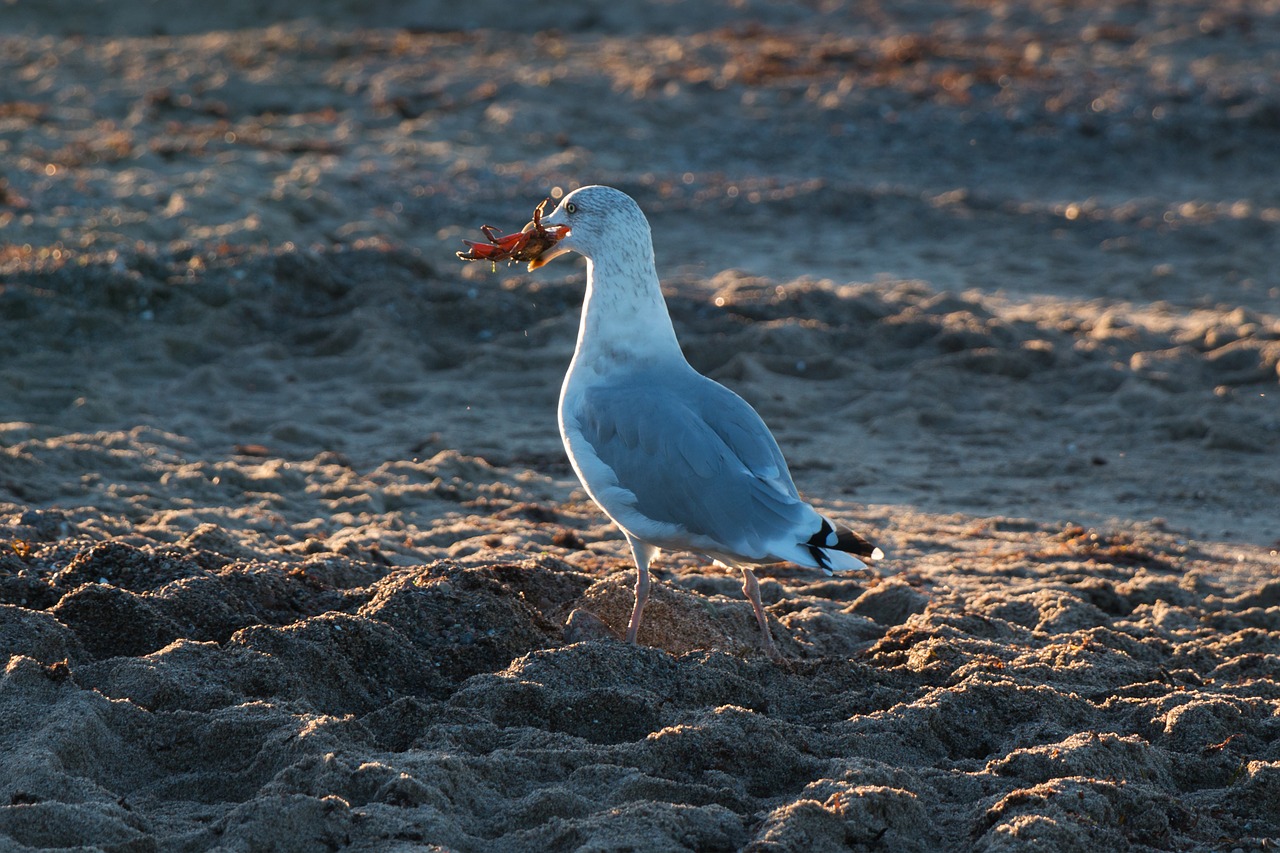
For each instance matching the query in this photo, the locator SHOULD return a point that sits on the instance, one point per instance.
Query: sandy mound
(1060, 685)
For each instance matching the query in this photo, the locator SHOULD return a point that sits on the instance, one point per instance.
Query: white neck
(624, 317)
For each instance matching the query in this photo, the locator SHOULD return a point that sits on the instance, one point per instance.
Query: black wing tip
(847, 540)
(840, 538)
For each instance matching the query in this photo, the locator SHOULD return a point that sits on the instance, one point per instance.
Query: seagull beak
(550, 253)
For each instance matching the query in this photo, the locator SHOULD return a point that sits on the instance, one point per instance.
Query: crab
(526, 245)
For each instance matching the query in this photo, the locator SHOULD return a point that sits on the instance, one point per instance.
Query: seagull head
(599, 221)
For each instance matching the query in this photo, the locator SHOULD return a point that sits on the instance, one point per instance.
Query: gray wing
(696, 455)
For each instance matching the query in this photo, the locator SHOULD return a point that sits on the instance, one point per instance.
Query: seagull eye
(570, 208)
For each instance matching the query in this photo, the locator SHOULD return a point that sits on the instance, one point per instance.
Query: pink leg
(642, 553)
(751, 588)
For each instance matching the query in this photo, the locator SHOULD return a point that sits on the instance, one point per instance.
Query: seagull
(678, 461)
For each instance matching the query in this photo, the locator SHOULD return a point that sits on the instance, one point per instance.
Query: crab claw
(535, 243)
(550, 236)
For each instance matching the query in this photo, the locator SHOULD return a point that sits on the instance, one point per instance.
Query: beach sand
(290, 554)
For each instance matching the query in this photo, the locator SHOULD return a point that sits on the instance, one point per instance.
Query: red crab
(527, 245)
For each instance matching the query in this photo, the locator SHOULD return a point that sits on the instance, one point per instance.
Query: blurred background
(985, 256)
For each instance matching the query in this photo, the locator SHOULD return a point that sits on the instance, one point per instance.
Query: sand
(291, 557)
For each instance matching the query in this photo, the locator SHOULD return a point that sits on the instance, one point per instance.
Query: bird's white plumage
(675, 459)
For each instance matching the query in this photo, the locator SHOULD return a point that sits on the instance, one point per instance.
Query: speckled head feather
(624, 317)
(605, 225)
